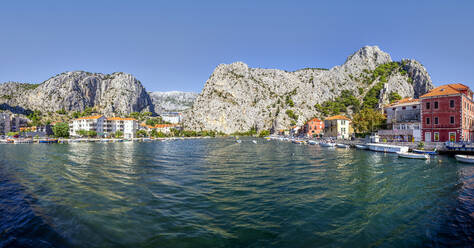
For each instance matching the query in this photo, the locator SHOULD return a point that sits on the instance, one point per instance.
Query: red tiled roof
(403, 101)
(90, 117)
(446, 90)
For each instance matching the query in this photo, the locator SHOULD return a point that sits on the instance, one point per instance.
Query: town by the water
(440, 121)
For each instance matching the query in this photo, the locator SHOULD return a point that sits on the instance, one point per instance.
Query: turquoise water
(217, 193)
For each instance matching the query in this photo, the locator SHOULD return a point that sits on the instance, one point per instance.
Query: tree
(61, 130)
(141, 133)
(118, 134)
(394, 96)
(368, 120)
(82, 133)
(264, 133)
(91, 133)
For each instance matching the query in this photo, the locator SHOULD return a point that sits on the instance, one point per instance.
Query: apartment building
(403, 120)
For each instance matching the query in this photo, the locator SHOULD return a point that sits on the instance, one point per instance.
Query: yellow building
(338, 126)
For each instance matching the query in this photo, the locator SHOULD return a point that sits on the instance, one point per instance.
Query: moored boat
(325, 144)
(413, 155)
(434, 152)
(339, 145)
(48, 141)
(362, 147)
(312, 142)
(386, 148)
(465, 158)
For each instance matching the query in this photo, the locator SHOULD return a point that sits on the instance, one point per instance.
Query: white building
(104, 126)
(89, 123)
(403, 119)
(128, 126)
(173, 118)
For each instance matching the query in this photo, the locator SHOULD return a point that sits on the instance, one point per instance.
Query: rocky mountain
(172, 101)
(237, 98)
(117, 93)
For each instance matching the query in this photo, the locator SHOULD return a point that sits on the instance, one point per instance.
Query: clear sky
(175, 45)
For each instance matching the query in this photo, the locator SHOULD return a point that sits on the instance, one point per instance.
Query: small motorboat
(238, 141)
(324, 144)
(48, 141)
(434, 152)
(312, 142)
(254, 141)
(362, 147)
(412, 155)
(339, 145)
(465, 158)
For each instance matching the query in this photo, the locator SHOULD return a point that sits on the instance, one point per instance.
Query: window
(436, 136)
(452, 119)
(436, 120)
(428, 120)
(393, 108)
(404, 108)
(436, 105)
(414, 107)
(451, 103)
(427, 105)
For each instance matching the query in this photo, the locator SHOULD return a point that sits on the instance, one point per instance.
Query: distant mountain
(117, 93)
(172, 101)
(237, 98)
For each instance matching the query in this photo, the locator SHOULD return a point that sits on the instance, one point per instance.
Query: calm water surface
(217, 193)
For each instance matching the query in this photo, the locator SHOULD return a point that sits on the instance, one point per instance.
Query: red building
(447, 114)
(313, 127)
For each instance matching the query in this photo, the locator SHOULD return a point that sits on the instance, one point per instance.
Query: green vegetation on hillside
(339, 104)
(394, 96)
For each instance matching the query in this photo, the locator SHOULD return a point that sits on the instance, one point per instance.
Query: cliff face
(172, 101)
(238, 98)
(117, 93)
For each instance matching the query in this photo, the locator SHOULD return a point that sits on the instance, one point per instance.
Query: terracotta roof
(90, 117)
(158, 125)
(314, 119)
(337, 117)
(446, 90)
(403, 101)
(120, 119)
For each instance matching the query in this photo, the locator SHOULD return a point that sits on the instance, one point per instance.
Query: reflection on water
(216, 192)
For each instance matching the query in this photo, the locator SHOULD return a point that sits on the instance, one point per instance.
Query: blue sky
(175, 45)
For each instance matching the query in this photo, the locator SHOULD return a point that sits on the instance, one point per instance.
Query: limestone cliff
(117, 93)
(237, 98)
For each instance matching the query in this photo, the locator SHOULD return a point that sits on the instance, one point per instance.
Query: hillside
(172, 101)
(118, 93)
(237, 98)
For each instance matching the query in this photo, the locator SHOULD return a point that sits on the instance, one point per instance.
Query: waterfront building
(4, 123)
(172, 117)
(403, 121)
(37, 131)
(337, 126)
(89, 123)
(447, 114)
(104, 126)
(128, 126)
(11, 123)
(313, 128)
(163, 128)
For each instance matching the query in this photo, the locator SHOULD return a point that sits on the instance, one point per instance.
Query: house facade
(11, 123)
(337, 126)
(313, 128)
(403, 120)
(173, 117)
(128, 126)
(447, 114)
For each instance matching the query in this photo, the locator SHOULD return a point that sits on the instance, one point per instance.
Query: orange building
(313, 127)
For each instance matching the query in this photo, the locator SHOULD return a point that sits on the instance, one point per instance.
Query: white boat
(362, 147)
(238, 141)
(323, 144)
(312, 142)
(465, 158)
(342, 145)
(254, 141)
(386, 148)
(413, 155)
